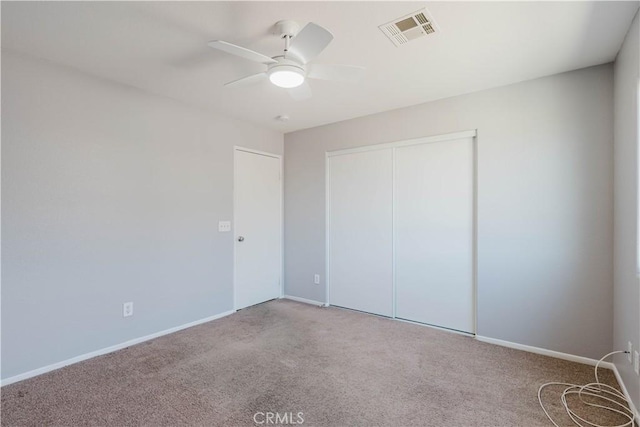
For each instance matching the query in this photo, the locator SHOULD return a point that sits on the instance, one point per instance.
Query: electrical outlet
(316, 279)
(224, 226)
(630, 350)
(127, 309)
(636, 362)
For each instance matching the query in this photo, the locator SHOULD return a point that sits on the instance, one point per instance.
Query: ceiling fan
(291, 69)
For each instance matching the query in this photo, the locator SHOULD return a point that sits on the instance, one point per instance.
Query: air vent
(410, 27)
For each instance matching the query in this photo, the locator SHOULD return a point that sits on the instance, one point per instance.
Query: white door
(360, 238)
(257, 216)
(434, 233)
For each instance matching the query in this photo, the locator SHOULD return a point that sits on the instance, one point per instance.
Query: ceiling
(161, 47)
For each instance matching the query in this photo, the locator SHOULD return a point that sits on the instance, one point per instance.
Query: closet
(400, 230)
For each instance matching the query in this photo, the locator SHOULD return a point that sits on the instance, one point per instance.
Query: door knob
(240, 239)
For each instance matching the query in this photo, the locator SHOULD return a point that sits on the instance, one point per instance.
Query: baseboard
(545, 352)
(305, 300)
(110, 349)
(566, 356)
(626, 393)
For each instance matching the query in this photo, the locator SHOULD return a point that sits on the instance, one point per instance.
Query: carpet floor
(335, 367)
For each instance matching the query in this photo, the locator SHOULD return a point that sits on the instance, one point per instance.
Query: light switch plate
(224, 226)
(636, 362)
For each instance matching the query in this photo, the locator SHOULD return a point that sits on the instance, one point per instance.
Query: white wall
(545, 220)
(626, 324)
(109, 195)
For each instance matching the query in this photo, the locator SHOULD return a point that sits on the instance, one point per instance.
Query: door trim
(237, 148)
(473, 133)
(405, 142)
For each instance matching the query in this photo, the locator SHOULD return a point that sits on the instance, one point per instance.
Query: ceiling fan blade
(339, 73)
(301, 92)
(309, 42)
(248, 80)
(240, 51)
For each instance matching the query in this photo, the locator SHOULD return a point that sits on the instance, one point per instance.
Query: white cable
(617, 402)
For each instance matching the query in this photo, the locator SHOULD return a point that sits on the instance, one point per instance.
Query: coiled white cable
(617, 402)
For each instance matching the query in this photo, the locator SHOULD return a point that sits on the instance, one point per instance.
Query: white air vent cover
(415, 25)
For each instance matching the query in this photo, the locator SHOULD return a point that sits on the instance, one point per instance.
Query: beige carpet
(336, 367)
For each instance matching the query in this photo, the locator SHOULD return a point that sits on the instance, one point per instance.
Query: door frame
(473, 133)
(236, 149)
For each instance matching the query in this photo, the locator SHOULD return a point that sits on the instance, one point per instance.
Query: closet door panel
(360, 238)
(434, 233)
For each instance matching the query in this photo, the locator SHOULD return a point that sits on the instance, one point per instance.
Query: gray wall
(109, 195)
(545, 219)
(626, 324)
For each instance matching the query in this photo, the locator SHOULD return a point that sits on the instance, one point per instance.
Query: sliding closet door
(360, 238)
(434, 233)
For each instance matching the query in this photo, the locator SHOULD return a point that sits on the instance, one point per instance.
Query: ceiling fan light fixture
(286, 76)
